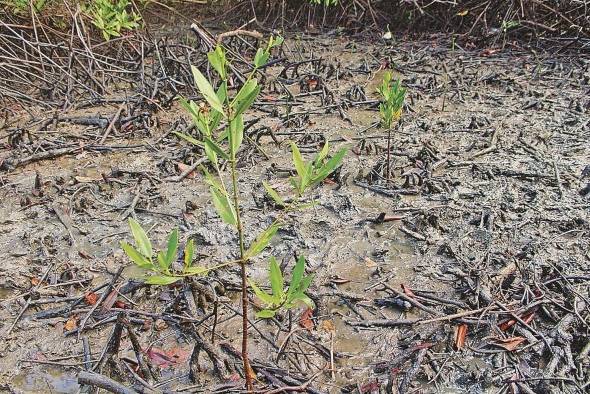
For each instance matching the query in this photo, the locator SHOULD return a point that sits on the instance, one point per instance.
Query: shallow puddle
(45, 380)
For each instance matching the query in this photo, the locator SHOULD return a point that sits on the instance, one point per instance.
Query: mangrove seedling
(281, 297)
(392, 102)
(220, 121)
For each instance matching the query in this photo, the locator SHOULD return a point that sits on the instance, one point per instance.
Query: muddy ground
(468, 272)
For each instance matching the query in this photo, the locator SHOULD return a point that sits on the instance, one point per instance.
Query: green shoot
(392, 100)
(160, 271)
(392, 103)
(111, 17)
(281, 297)
(311, 173)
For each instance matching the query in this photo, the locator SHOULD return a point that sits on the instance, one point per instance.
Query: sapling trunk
(245, 360)
(387, 168)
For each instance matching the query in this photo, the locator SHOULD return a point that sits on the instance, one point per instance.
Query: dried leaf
(509, 344)
(328, 325)
(109, 301)
(460, 336)
(370, 387)
(71, 324)
(305, 319)
(184, 167)
(338, 280)
(120, 305)
(167, 358)
(370, 263)
(407, 291)
(91, 298)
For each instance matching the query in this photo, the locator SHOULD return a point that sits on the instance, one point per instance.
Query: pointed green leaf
(162, 263)
(206, 90)
(273, 194)
(265, 314)
(296, 277)
(236, 133)
(298, 161)
(261, 58)
(322, 155)
(217, 116)
(276, 278)
(329, 167)
(245, 97)
(215, 148)
(143, 243)
(305, 181)
(139, 260)
(217, 60)
(189, 253)
(262, 241)
(210, 153)
(261, 294)
(172, 249)
(305, 283)
(305, 299)
(188, 138)
(161, 280)
(224, 206)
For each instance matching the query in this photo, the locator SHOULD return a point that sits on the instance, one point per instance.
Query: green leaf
(189, 253)
(265, 314)
(172, 249)
(261, 294)
(206, 90)
(296, 277)
(329, 167)
(322, 155)
(245, 97)
(262, 241)
(139, 260)
(161, 257)
(143, 243)
(209, 143)
(273, 194)
(305, 283)
(216, 116)
(236, 133)
(217, 60)
(305, 299)
(196, 270)
(276, 41)
(276, 278)
(161, 280)
(245, 91)
(210, 153)
(209, 179)
(224, 206)
(261, 58)
(199, 119)
(299, 163)
(188, 138)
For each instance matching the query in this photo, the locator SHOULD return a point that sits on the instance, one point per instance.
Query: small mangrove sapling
(221, 125)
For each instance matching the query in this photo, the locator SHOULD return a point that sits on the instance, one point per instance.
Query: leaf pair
(262, 55)
(312, 173)
(281, 297)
